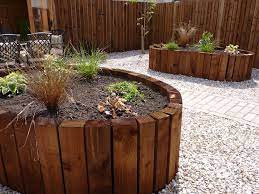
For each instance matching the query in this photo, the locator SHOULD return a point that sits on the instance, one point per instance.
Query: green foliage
(87, 65)
(207, 43)
(172, 46)
(232, 49)
(127, 90)
(14, 83)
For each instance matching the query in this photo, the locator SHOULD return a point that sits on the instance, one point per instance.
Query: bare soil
(84, 96)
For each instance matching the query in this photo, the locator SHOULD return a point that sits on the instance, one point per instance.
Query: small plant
(49, 85)
(14, 83)
(87, 65)
(185, 33)
(232, 49)
(127, 90)
(207, 43)
(172, 46)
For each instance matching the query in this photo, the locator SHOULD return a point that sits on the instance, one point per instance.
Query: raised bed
(214, 66)
(122, 156)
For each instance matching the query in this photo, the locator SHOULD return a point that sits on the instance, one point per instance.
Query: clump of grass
(14, 83)
(207, 43)
(49, 85)
(172, 46)
(185, 33)
(127, 90)
(87, 65)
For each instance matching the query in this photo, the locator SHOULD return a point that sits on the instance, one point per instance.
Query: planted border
(212, 66)
(130, 156)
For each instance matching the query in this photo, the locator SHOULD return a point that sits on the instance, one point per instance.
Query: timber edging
(131, 156)
(212, 66)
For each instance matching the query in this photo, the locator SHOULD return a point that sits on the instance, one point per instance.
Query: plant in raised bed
(232, 49)
(49, 85)
(185, 33)
(207, 43)
(12, 84)
(127, 90)
(87, 65)
(172, 46)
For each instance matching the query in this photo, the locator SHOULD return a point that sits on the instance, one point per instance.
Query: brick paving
(236, 109)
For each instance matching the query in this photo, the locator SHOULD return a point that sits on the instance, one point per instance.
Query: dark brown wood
(72, 145)
(147, 127)
(125, 156)
(99, 156)
(213, 66)
(49, 154)
(3, 178)
(161, 149)
(9, 152)
(28, 154)
(175, 113)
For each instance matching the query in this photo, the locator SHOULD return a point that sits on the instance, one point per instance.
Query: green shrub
(127, 90)
(207, 43)
(14, 83)
(172, 46)
(87, 65)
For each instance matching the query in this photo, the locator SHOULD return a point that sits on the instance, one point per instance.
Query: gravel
(6, 190)
(217, 155)
(135, 61)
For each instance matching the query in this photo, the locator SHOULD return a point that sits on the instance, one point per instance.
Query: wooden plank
(30, 16)
(222, 70)
(164, 61)
(9, 152)
(200, 64)
(173, 61)
(147, 129)
(27, 151)
(161, 150)
(175, 137)
(230, 69)
(193, 62)
(3, 177)
(206, 67)
(245, 68)
(49, 153)
(99, 156)
(235, 76)
(72, 145)
(125, 156)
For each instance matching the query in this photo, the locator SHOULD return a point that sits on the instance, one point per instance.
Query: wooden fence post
(220, 19)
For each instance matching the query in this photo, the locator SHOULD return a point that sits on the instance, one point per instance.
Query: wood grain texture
(161, 149)
(49, 154)
(147, 127)
(99, 156)
(72, 145)
(3, 177)
(125, 156)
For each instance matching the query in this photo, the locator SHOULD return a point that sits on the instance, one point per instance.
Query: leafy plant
(172, 46)
(14, 83)
(87, 65)
(207, 43)
(127, 90)
(49, 85)
(232, 49)
(185, 33)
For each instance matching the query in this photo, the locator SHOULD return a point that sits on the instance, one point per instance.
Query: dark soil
(84, 96)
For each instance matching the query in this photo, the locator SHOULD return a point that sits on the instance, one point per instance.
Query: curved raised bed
(214, 66)
(122, 156)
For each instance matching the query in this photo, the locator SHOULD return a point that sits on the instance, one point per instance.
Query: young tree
(144, 20)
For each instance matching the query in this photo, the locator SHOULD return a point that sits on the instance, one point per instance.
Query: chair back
(9, 47)
(39, 44)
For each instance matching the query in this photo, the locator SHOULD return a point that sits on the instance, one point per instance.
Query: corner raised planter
(214, 66)
(122, 156)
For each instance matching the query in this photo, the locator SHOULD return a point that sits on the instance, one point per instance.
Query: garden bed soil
(83, 99)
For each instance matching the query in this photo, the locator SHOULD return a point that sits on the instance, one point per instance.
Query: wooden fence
(108, 23)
